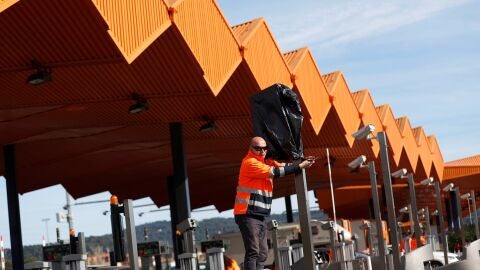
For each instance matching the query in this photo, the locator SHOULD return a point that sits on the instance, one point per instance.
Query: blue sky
(421, 57)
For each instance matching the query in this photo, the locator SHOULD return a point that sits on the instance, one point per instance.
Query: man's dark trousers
(254, 234)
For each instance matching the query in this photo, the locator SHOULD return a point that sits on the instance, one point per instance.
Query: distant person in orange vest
(254, 199)
(230, 264)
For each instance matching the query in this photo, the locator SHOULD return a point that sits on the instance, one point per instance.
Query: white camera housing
(427, 182)
(364, 132)
(465, 196)
(448, 187)
(357, 162)
(404, 209)
(399, 173)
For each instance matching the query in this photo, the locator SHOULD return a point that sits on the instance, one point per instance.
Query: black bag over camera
(277, 117)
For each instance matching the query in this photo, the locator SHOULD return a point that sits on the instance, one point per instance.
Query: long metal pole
(131, 234)
(442, 226)
(413, 205)
(427, 222)
(460, 215)
(304, 216)
(387, 181)
(376, 212)
(475, 214)
(69, 212)
(13, 207)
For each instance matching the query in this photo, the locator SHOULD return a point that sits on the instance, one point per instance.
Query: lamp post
(366, 133)
(46, 220)
(387, 181)
(413, 203)
(359, 162)
(440, 217)
(475, 214)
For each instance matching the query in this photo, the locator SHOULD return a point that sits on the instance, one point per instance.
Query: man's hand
(306, 163)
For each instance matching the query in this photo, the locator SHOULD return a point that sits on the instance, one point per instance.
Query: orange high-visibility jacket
(255, 186)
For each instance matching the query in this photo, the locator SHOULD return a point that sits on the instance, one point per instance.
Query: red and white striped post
(2, 254)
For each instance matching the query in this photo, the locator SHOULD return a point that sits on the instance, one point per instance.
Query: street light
(366, 132)
(46, 220)
(429, 182)
(402, 173)
(359, 162)
(466, 197)
(459, 222)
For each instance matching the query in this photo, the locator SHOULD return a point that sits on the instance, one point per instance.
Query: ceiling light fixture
(41, 76)
(140, 104)
(209, 124)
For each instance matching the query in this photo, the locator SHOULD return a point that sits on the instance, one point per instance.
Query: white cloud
(329, 26)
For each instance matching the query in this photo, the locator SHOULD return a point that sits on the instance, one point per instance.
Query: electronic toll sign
(55, 253)
(148, 249)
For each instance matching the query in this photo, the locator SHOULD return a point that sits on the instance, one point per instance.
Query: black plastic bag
(277, 117)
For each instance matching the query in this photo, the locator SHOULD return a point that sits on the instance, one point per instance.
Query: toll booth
(62, 256)
(153, 251)
(214, 250)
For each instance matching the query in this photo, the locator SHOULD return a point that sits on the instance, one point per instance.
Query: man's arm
(289, 168)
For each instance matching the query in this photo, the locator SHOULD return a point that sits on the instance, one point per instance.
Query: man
(254, 199)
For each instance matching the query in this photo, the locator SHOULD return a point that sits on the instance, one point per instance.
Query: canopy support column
(13, 207)
(288, 207)
(179, 194)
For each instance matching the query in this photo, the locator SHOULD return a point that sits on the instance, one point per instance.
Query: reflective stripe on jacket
(255, 186)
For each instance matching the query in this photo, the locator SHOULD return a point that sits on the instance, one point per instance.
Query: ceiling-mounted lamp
(140, 104)
(209, 124)
(41, 75)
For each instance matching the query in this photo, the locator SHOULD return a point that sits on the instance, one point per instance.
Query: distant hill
(160, 230)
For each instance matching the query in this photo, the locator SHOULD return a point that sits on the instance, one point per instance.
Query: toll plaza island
(153, 99)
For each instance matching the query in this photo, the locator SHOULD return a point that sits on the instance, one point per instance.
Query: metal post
(13, 207)
(441, 225)
(180, 171)
(413, 205)
(460, 215)
(46, 220)
(304, 217)
(377, 214)
(174, 219)
(288, 207)
(475, 214)
(273, 228)
(69, 212)
(428, 231)
(387, 181)
(131, 235)
(410, 219)
(179, 194)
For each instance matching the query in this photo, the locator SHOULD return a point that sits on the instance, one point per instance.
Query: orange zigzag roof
(188, 62)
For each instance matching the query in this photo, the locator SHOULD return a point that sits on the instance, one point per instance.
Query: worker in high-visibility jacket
(254, 198)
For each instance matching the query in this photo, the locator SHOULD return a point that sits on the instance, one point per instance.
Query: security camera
(448, 187)
(427, 182)
(465, 196)
(364, 132)
(357, 162)
(404, 209)
(421, 211)
(434, 213)
(399, 173)
(272, 225)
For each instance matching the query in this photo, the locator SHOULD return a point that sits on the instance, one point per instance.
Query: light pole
(475, 214)
(402, 173)
(366, 133)
(440, 217)
(46, 220)
(359, 162)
